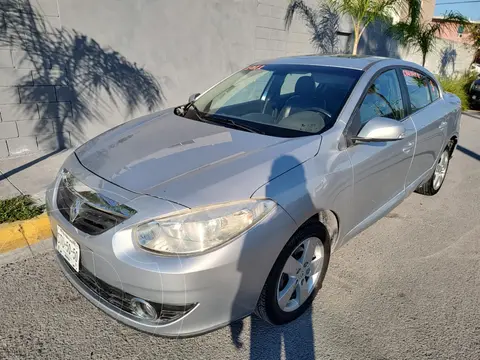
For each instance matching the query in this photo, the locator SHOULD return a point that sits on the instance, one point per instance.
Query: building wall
(451, 33)
(449, 57)
(72, 69)
(79, 68)
(428, 8)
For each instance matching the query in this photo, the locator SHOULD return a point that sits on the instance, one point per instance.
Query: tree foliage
(362, 13)
(422, 35)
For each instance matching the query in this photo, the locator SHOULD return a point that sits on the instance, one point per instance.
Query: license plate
(68, 248)
(474, 97)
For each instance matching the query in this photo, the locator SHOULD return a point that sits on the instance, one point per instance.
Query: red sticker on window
(254, 67)
(411, 73)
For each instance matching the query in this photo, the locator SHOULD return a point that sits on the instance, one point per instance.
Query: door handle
(408, 148)
(442, 125)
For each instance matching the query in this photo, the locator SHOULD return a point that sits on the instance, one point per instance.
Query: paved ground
(30, 174)
(407, 288)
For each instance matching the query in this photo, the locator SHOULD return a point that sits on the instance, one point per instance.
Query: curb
(24, 233)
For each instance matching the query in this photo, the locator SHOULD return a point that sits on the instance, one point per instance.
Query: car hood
(190, 162)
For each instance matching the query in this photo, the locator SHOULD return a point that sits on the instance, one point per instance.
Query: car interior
(300, 101)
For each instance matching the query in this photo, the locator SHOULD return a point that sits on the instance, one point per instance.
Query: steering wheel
(317, 109)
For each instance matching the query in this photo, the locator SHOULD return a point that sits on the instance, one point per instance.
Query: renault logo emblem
(75, 209)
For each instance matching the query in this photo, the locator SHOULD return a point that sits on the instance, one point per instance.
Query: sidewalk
(30, 174)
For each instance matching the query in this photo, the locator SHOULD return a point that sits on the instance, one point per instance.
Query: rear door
(428, 116)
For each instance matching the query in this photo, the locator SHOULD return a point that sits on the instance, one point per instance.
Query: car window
(249, 88)
(288, 86)
(251, 99)
(417, 86)
(384, 98)
(434, 92)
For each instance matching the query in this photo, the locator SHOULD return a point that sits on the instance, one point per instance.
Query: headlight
(197, 230)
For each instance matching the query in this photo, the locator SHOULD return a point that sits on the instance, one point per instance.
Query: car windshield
(278, 100)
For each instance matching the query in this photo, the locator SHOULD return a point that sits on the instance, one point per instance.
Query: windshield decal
(254, 67)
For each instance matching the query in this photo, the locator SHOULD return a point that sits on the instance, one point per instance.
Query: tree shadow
(448, 57)
(376, 40)
(323, 24)
(73, 79)
(296, 339)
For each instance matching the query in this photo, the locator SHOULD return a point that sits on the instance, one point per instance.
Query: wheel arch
(329, 220)
(452, 144)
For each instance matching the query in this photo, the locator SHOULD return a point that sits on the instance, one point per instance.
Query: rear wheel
(296, 276)
(433, 185)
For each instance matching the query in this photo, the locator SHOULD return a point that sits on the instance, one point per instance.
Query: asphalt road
(407, 288)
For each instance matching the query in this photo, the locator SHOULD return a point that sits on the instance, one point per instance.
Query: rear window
(434, 92)
(418, 91)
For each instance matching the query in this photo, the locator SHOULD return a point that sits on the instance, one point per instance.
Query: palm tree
(423, 35)
(362, 13)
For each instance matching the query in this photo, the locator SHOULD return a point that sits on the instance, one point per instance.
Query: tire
(268, 307)
(431, 187)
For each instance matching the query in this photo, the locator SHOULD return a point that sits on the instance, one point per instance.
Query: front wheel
(296, 276)
(433, 185)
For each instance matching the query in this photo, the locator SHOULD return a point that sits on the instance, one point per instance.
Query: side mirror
(380, 129)
(193, 97)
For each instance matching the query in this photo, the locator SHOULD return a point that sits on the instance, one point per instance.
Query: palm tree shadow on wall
(322, 22)
(448, 58)
(377, 40)
(78, 73)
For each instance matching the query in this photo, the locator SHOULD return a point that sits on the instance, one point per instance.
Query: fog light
(143, 309)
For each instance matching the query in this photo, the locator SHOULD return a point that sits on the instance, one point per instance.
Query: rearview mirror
(193, 97)
(380, 129)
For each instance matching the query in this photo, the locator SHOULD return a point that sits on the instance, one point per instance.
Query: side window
(384, 98)
(434, 92)
(288, 86)
(417, 86)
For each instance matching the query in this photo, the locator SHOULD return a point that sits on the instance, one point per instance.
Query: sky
(470, 9)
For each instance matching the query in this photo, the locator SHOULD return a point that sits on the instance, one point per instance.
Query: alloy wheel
(440, 170)
(300, 274)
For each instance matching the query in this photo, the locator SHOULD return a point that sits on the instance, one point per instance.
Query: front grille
(90, 220)
(122, 300)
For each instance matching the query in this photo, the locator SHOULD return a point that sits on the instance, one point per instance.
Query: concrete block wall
(187, 45)
(271, 39)
(21, 117)
(448, 58)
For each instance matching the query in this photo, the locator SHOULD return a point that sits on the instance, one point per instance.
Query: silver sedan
(182, 221)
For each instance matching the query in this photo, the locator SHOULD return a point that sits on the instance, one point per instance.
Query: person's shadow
(266, 340)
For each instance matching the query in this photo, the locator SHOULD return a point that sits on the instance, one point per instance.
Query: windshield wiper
(214, 119)
(225, 120)
(182, 109)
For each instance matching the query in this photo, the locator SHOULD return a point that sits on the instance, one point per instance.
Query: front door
(430, 122)
(380, 168)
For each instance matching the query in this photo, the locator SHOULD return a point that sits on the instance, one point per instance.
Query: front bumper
(221, 286)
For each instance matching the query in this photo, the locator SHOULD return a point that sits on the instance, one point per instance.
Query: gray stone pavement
(406, 288)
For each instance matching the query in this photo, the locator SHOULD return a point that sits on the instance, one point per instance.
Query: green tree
(362, 13)
(474, 35)
(421, 35)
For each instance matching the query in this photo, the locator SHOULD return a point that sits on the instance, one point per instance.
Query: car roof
(359, 62)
